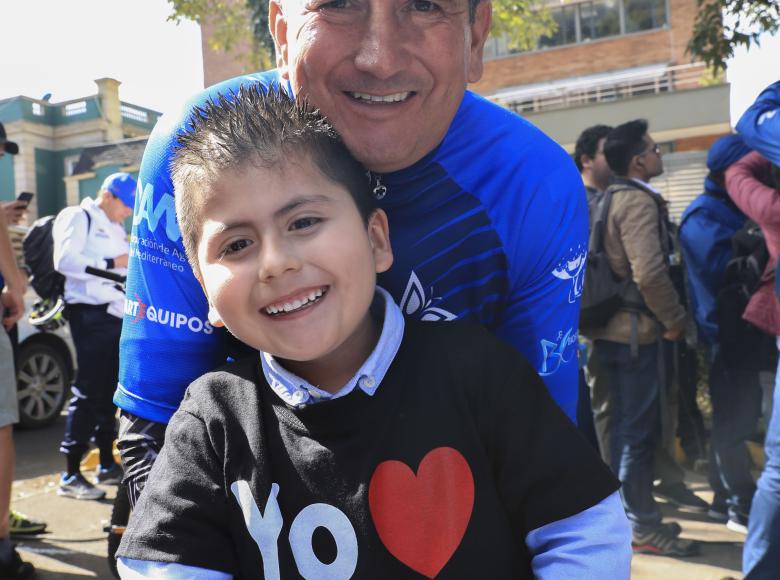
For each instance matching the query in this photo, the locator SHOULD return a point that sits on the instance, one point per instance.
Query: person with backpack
(753, 183)
(630, 346)
(92, 234)
(707, 229)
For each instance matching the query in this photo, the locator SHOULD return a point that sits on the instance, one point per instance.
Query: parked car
(45, 368)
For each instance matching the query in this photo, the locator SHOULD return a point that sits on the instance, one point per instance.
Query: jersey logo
(154, 213)
(415, 302)
(767, 116)
(557, 353)
(572, 267)
(422, 518)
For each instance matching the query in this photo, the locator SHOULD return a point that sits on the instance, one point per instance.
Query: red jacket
(761, 204)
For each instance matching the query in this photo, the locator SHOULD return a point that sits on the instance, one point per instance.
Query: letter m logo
(154, 213)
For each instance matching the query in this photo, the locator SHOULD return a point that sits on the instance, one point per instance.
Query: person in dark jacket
(706, 229)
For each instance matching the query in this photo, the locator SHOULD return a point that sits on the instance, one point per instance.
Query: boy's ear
(379, 238)
(277, 25)
(214, 318)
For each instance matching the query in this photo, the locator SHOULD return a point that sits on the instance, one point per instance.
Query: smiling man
(488, 215)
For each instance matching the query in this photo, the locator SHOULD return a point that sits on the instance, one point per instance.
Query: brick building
(609, 61)
(66, 149)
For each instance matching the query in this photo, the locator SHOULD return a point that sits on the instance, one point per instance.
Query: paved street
(75, 546)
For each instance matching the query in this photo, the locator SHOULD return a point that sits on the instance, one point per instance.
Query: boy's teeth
(295, 304)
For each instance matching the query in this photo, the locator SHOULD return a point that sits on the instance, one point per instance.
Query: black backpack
(602, 292)
(742, 343)
(38, 251)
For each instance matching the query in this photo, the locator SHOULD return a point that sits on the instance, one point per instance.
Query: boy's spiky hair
(261, 129)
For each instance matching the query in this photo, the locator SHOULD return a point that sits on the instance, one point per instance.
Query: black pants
(91, 410)
(140, 441)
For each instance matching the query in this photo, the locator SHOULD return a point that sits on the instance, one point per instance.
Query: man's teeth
(295, 304)
(394, 98)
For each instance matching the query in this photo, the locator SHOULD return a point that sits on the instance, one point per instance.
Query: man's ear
(277, 25)
(379, 238)
(479, 33)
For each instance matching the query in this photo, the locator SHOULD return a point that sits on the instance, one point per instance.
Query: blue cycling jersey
(491, 226)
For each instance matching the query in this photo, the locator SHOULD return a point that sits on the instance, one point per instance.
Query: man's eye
(333, 4)
(424, 5)
(304, 223)
(234, 247)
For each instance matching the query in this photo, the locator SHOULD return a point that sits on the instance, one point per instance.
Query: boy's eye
(304, 223)
(234, 247)
(333, 4)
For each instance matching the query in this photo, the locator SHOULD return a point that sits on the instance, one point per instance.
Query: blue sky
(61, 46)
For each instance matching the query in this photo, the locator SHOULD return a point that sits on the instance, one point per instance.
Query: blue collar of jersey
(297, 392)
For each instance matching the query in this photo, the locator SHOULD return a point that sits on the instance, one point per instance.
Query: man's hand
(674, 334)
(120, 261)
(13, 303)
(14, 211)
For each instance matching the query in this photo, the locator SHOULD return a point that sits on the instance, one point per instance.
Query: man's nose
(382, 47)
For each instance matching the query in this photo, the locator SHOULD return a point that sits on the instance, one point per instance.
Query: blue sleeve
(590, 545)
(760, 124)
(167, 341)
(130, 569)
(537, 203)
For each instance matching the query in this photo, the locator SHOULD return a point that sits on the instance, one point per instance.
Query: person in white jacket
(92, 234)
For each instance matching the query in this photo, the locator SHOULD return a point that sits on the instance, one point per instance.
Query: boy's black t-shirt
(441, 473)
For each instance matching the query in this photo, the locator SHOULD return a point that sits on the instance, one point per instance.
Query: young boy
(359, 444)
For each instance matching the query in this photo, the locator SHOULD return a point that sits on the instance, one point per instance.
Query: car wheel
(42, 383)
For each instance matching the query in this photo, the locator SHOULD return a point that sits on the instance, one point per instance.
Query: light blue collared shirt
(297, 392)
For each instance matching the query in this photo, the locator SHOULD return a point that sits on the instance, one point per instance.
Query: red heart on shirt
(422, 518)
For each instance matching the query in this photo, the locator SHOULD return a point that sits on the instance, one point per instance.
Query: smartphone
(25, 197)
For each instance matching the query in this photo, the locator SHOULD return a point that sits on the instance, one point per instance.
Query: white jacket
(75, 249)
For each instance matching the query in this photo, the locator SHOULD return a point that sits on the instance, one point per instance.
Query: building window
(37, 109)
(566, 33)
(592, 20)
(72, 109)
(135, 114)
(644, 14)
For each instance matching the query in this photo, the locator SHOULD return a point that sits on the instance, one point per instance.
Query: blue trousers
(635, 425)
(736, 407)
(761, 556)
(91, 410)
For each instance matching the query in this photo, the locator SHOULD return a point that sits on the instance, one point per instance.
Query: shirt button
(299, 397)
(367, 382)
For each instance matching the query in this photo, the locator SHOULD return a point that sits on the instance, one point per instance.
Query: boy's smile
(289, 266)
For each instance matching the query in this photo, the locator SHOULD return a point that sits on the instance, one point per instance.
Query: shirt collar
(297, 392)
(646, 185)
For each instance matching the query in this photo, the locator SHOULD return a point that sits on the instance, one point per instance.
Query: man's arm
(12, 296)
(69, 232)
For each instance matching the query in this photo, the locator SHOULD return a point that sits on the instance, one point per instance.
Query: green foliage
(237, 23)
(723, 25)
(522, 22)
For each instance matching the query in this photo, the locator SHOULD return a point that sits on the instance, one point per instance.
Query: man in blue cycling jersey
(488, 215)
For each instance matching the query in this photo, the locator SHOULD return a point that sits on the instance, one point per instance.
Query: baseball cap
(726, 151)
(10, 147)
(121, 185)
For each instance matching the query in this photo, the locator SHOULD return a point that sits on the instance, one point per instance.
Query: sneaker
(660, 543)
(682, 497)
(672, 529)
(77, 487)
(20, 524)
(16, 568)
(718, 512)
(111, 476)
(738, 522)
